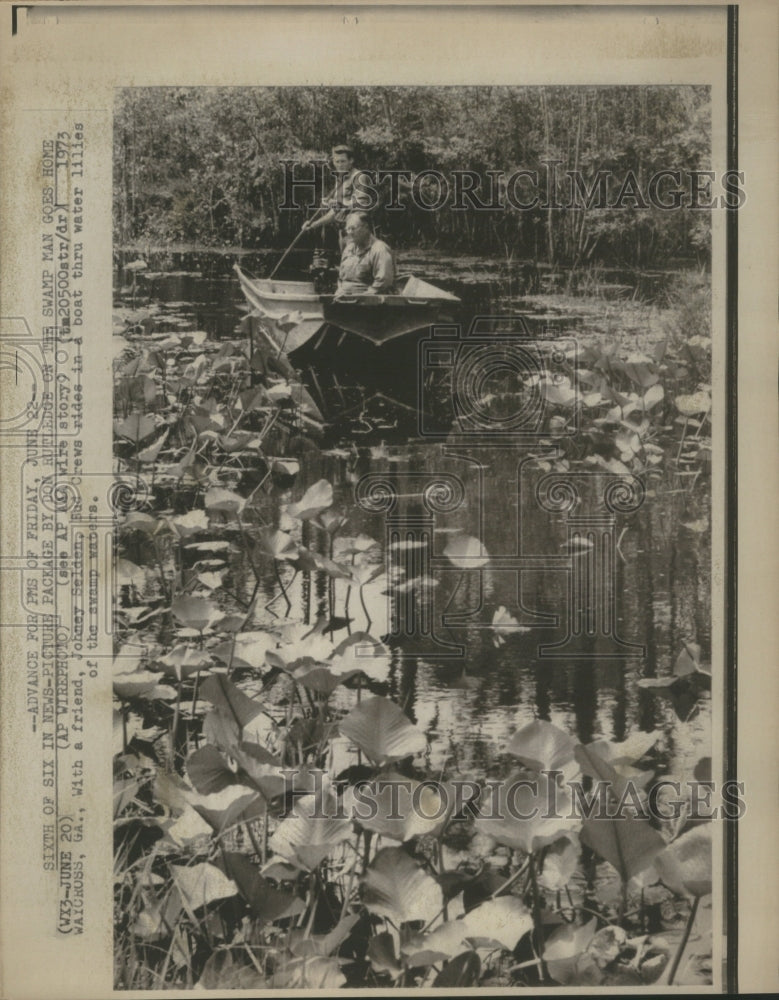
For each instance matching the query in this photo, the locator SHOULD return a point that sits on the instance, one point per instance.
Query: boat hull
(349, 350)
(297, 312)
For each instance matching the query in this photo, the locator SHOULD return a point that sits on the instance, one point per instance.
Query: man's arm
(323, 221)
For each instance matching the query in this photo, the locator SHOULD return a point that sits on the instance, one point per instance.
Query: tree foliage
(206, 165)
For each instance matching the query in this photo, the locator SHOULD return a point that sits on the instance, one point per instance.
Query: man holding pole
(346, 196)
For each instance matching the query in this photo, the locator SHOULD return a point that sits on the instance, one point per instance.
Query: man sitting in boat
(367, 267)
(346, 196)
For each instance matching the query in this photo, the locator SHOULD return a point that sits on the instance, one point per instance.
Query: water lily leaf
(302, 641)
(382, 731)
(527, 814)
(279, 391)
(397, 888)
(136, 520)
(636, 746)
(162, 692)
(209, 771)
(267, 902)
(381, 954)
(307, 561)
(139, 614)
(246, 651)
(563, 947)
(690, 406)
(276, 544)
(311, 831)
(201, 884)
(183, 661)
(212, 580)
(128, 659)
(261, 768)
(330, 521)
(189, 827)
(280, 871)
(190, 523)
(316, 499)
(399, 807)
(503, 920)
(560, 862)
(628, 843)
(688, 661)
(128, 573)
(225, 500)
(319, 677)
(135, 685)
(685, 864)
(504, 623)
(230, 700)
(360, 651)
(195, 612)
(363, 573)
(654, 395)
(466, 552)
(212, 546)
(323, 945)
(559, 393)
(136, 427)
(463, 970)
(234, 804)
(448, 939)
(238, 441)
(152, 452)
(221, 729)
(288, 467)
(542, 746)
(345, 546)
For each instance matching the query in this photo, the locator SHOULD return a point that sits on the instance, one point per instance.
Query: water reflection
(469, 705)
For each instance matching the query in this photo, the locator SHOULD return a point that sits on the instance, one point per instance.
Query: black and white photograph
(387, 460)
(413, 646)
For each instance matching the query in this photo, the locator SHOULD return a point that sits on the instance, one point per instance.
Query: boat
(376, 318)
(347, 348)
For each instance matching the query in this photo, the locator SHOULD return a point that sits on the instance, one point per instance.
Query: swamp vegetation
(253, 607)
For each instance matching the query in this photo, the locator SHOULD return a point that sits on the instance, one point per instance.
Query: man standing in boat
(367, 267)
(346, 196)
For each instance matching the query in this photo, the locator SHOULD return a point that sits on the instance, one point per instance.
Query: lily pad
(201, 884)
(395, 887)
(311, 832)
(542, 746)
(316, 499)
(466, 552)
(382, 731)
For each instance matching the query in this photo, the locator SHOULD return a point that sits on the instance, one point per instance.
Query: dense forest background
(204, 166)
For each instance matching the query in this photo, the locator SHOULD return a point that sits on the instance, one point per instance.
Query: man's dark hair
(344, 149)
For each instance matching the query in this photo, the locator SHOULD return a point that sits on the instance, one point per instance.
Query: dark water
(469, 705)
(656, 564)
